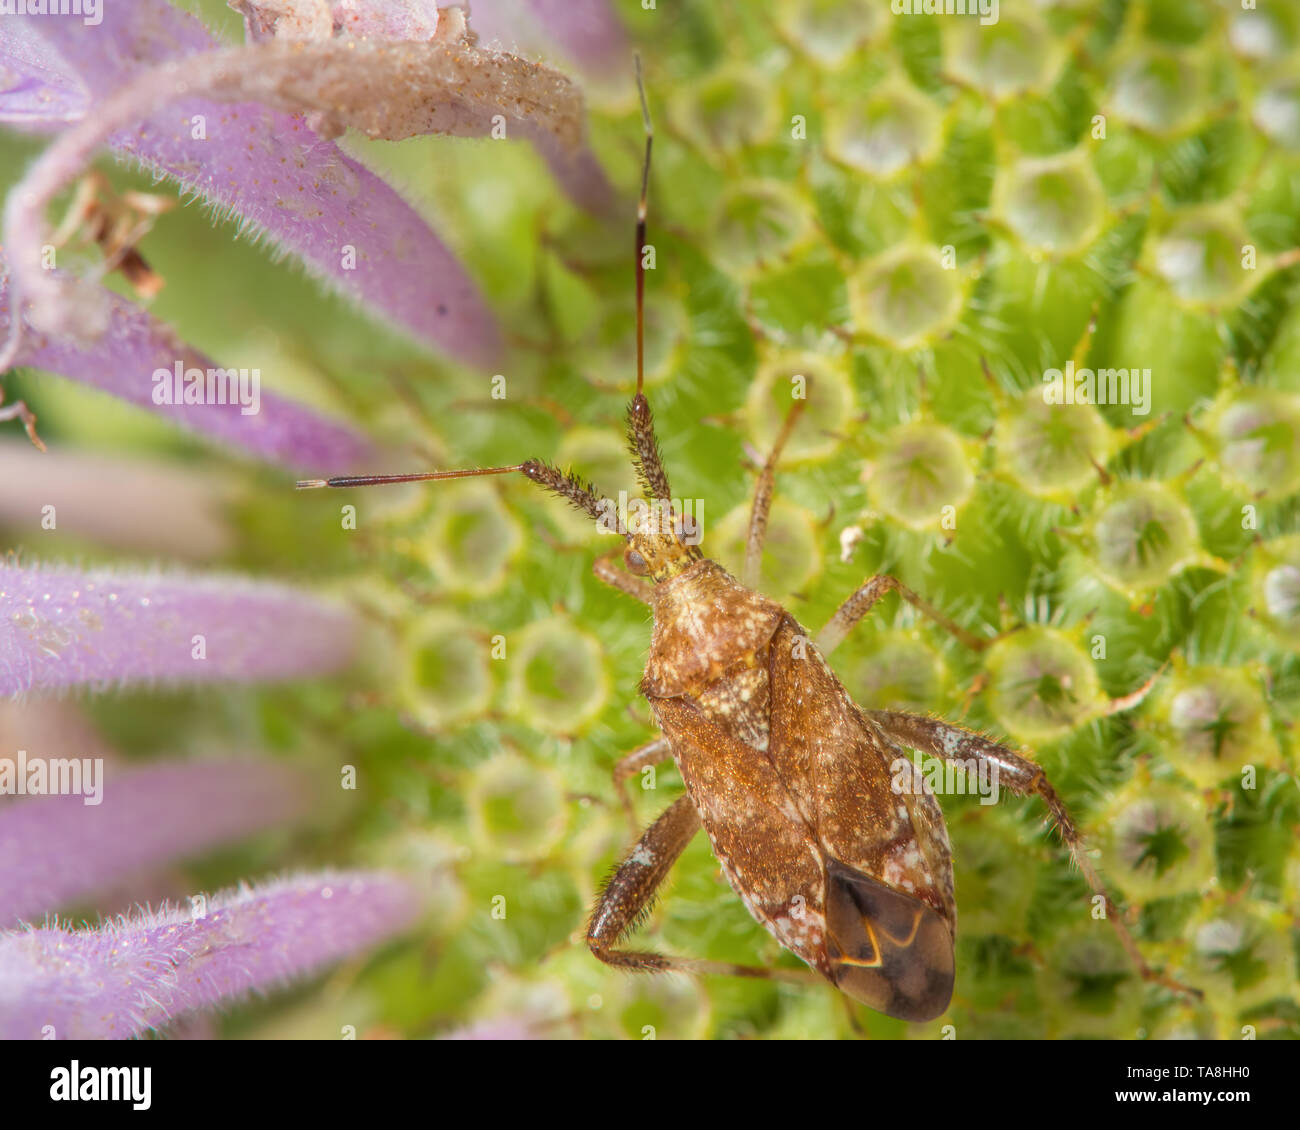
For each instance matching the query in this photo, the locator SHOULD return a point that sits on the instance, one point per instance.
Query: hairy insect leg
(626, 900)
(630, 764)
(954, 743)
(612, 575)
(19, 411)
(762, 506)
(862, 601)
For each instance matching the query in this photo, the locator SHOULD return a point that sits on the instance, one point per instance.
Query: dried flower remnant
(414, 20)
(115, 224)
(135, 974)
(63, 627)
(394, 78)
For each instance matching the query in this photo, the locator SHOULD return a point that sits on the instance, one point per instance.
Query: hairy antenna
(567, 485)
(640, 421)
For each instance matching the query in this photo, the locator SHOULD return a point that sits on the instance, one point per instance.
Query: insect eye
(635, 562)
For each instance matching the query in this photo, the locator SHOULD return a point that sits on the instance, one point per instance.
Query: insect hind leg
(954, 743)
(627, 898)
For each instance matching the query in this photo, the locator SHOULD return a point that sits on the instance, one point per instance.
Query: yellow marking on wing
(898, 943)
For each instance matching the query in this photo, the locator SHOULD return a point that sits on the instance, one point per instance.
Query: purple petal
(37, 89)
(586, 31)
(135, 345)
(177, 515)
(125, 978)
(60, 848)
(577, 172)
(63, 627)
(298, 189)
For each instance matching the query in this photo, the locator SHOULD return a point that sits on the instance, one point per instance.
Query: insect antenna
(640, 421)
(581, 495)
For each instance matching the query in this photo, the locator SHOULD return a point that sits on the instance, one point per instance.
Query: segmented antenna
(641, 232)
(640, 422)
(568, 486)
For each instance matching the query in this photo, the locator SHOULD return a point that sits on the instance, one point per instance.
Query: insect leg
(630, 764)
(627, 897)
(19, 411)
(762, 507)
(1019, 774)
(861, 602)
(612, 575)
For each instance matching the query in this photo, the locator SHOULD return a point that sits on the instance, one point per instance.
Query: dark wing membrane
(888, 950)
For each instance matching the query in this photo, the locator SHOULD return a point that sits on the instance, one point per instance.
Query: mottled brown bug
(789, 777)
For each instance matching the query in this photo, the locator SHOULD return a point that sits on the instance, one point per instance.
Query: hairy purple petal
(134, 345)
(63, 627)
(37, 89)
(285, 181)
(127, 977)
(60, 848)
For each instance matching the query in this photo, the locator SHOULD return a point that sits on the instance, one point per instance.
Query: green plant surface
(923, 216)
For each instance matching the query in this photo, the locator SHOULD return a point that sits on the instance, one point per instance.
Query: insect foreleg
(19, 411)
(630, 764)
(953, 743)
(612, 575)
(626, 900)
(861, 602)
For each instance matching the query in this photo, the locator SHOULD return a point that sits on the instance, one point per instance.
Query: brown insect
(790, 778)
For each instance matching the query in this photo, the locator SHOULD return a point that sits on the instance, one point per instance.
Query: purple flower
(249, 129)
(128, 976)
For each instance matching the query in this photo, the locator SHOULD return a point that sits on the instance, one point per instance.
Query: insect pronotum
(789, 777)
